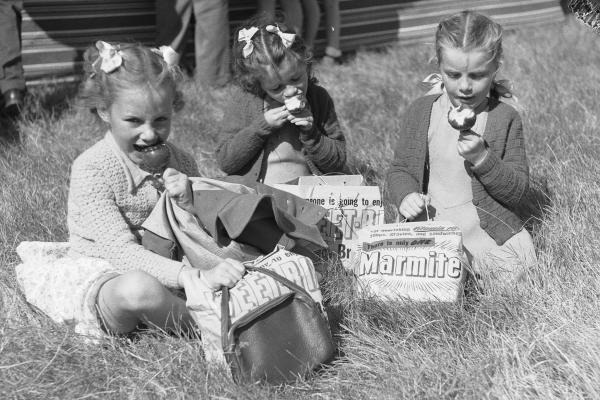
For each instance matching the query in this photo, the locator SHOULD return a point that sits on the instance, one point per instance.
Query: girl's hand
(413, 205)
(276, 117)
(227, 273)
(471, 147)
(179, 188)
(303, 119)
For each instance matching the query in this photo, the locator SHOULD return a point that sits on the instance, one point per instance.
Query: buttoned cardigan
(245, 131)
(105, 211)
(499, 182)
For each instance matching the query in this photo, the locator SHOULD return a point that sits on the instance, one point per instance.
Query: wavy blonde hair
(141, 67)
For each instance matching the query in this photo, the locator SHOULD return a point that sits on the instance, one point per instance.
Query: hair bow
(503, 88)
(245, 35)
(286, 38)
(433, 83)
(109, 57)
(168, 54)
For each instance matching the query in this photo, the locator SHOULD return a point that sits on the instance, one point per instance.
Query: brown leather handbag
(278, 341)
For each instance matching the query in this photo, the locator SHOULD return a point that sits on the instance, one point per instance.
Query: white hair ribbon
(109, 57)
(168, 54)
(286, 38)
(433, 83)
(245, 35)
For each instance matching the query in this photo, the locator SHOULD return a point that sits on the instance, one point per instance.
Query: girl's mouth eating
(144, 148)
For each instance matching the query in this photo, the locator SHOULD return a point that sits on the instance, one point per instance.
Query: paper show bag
(250, 293)
(350, 207)
(280, 340)
(420, 261)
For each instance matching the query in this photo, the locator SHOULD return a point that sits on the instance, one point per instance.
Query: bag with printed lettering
(279, 341)
(269, 326)
(350, 206)
(420, 261)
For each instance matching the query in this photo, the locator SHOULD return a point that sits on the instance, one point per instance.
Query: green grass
(537, 340)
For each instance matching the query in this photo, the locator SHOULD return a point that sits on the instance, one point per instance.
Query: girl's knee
(137, 291)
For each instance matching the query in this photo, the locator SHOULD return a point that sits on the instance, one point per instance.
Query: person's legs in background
(212, 42)
(332, 23)
(312, 17)
(12, 79)
(293, 14)
(172, 22)
(265, 6)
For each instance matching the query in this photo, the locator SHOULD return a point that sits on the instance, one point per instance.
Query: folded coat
(232, 220)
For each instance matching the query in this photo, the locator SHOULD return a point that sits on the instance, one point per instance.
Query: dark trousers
(211, 36)
(11, 71)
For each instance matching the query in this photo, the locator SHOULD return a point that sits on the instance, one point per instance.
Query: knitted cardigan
(105, 214)
(499, 182)
(245, 132)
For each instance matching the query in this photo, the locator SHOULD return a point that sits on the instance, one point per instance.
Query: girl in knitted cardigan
(111, 282)
(473, 176)
(279, 124)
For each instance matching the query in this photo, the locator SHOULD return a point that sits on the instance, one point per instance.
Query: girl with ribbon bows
(476, 177)
(280, 124)
(114, 187)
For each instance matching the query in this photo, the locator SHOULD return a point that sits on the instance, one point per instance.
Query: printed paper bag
(332, 180)
(350, 208)
(253, 290)
(421, 261)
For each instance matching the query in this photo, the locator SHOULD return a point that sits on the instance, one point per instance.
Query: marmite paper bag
(253, 290)
(349, 208)
(421, 261)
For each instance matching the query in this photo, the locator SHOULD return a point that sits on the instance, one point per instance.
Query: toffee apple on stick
(462, 118)
(294, 100)
(155, 158)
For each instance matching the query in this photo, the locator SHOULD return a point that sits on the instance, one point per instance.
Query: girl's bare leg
(137, 297)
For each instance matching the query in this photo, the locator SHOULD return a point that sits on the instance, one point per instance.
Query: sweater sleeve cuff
(486, 165)
(170, 274)
(261, 128)
(307, 137)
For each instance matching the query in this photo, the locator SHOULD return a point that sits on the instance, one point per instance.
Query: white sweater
(109, 199)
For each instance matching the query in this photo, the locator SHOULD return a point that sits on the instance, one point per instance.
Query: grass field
(540, 339)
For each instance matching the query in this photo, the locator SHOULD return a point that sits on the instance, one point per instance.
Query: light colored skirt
(506, 262)
(64, 288)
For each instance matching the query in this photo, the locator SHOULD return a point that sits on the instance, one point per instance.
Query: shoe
(13, 102)
(333, 52)
(332, 56)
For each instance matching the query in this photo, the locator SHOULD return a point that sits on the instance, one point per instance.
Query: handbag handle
(226, 318)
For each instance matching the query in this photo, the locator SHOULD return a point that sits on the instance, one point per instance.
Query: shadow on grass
(49, 101)
(9, 131)
(535, 204)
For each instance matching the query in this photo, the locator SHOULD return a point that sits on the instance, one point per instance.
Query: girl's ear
(103, 113)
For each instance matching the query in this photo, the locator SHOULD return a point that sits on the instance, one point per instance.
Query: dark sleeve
(504, 172)
(324, 144)
(403, 177)
(243, 133)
